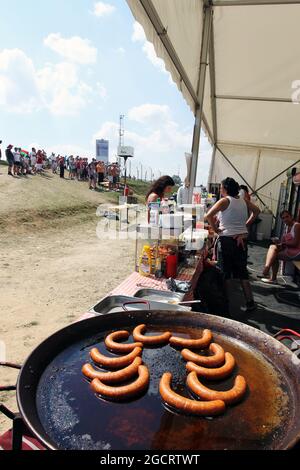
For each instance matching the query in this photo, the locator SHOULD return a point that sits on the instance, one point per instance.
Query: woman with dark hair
(288, 249)
(232, 212)
(159, 188)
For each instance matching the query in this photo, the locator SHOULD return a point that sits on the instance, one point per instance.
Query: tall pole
(207, 24)
(121, 135)
(141, 172)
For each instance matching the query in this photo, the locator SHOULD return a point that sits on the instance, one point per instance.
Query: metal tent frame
(208, 58)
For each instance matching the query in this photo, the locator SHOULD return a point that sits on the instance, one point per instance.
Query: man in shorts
(33, 160)
(100, 170)
(92, 173)
(10, 159)
(17, 159)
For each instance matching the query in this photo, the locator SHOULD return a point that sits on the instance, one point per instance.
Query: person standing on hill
(92, 173)
(62, 167)
(33, 160)
(39, 162)
(17, 160)
(10, 159)
(100, 170)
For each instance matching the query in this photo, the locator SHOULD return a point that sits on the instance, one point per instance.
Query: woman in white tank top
(232, 214)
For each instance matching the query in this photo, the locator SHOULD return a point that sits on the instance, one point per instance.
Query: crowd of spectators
(96, 173)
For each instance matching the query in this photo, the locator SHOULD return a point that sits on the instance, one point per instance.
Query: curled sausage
(214, 374)
(233, 395)
(124, 391)
(200, 343)
(216, 360)
(112, 377)
(114, 362)
(150, 340)
(112, 344)
(209, 408)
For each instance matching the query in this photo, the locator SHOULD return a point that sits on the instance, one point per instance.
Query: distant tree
(177, 179)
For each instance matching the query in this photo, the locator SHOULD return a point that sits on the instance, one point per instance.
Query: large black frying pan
(58, 405)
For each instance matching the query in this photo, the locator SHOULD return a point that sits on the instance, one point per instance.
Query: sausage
(214, 374)
(112, 345)
(150, 340)
(200, 343)
(124, 391)
(216, 360)
(112, 377)
(114, 362)
(233, 395)
(201, 408)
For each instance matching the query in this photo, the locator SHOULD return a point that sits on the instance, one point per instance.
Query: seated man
(288, 249)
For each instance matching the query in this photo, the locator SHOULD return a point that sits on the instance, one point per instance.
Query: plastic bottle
(158, 267)
(145, 266)
(165, 207)
(154, 214)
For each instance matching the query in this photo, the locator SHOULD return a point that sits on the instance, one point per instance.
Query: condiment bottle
(171, 265)
(145, 266)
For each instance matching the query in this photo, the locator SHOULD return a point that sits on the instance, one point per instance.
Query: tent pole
(212, 74)
(254, 98)
(206, 35)
(241, 176)
(234, 3)
(277, 176)
(257, 167)
(212, 165)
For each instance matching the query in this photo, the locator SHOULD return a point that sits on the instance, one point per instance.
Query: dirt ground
(49, 278)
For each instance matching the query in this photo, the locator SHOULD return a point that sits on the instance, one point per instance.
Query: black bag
(211, 291)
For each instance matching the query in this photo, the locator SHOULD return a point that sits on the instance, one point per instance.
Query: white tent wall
(257, 166)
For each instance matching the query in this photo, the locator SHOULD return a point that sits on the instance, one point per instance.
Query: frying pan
(59, 407)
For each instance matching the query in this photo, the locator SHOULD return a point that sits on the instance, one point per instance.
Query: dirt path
(48, 279)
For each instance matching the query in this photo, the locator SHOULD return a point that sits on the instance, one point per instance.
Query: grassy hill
(44, 201)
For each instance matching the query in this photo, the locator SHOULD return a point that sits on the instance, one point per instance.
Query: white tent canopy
(237, 64)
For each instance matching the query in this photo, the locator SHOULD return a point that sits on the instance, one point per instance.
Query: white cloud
(101, 90)
(103, 9)
(138, 35)
(64, 94)
(121, 50)
(19, 90)
(74, 49)
(57, 88)
(149, 112)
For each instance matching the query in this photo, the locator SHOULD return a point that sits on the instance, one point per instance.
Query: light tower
(121, 135)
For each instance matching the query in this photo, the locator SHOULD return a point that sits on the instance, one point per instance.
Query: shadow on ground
(271, 315)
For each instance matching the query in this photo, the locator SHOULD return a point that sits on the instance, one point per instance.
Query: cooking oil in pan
(76, 418)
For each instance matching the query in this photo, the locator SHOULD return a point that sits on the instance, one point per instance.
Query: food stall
(63, 403)
(55, 401)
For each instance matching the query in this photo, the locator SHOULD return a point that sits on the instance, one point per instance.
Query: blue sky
(68, 68)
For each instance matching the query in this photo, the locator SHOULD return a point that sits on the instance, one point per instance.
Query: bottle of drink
(154, 213)
(158, 267)
(171, 265)
(165, 207)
